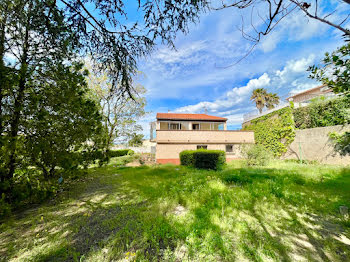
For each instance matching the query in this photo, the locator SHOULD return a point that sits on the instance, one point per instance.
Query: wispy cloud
(197, 75)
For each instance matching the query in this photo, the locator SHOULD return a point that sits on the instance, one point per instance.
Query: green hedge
(274, 131)
(120, 152)
(186, 158)
(323, 113)
(204, 159)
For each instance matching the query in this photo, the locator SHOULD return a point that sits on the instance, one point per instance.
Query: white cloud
(230, 99)
(196, 75)
(293, 74)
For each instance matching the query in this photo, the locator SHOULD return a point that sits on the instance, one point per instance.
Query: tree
(334, 71)
(271, 13)
(272, 100)
(136, 139)
(35, 37)
(104, 30)
(259, 97)
(63, 125)
(119, 116)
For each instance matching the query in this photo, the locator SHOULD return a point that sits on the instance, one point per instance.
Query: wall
(147, 147)
(169, 153)
(314, 144)
(201, 136)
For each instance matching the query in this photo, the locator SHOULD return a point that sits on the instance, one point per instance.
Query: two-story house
(178, 132)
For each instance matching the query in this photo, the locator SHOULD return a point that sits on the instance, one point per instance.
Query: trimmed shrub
(203, 159)
(256, 155)
(120, 152)
(186, 158)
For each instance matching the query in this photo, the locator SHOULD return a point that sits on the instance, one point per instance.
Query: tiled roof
(174, 116)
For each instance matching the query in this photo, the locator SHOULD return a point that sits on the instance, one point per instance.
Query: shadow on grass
(283, 215)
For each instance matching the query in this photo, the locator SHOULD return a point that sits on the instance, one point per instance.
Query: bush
(256, 155)
(341, 142)
(186, 158)
(120, 152)
(322, 113)
(204, 159)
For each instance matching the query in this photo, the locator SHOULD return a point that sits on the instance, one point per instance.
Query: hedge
(203, 159)
(323, 113)
(120, 152)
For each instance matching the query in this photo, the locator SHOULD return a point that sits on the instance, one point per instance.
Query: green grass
(284, 212)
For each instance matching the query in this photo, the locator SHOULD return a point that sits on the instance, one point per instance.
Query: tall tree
(119, 116)
(259, 97)
(63, 125)
(36, 38)
(272, 100)
(106, 32)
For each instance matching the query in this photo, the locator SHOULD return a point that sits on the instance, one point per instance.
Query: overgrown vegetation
(320, 113)
(275, 131)
(334, 72)
(282, 212)
(256, 155)
(341, 142)
(204, 159)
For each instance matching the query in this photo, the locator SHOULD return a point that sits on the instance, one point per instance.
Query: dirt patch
(180, 210)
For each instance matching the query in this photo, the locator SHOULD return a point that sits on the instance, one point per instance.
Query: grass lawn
(284, 212)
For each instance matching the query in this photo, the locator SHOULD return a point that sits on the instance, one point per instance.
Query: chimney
(168, 111)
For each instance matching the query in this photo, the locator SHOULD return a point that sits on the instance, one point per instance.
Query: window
(229, 148)
(202, 147)
(195, 126)
(176, 126)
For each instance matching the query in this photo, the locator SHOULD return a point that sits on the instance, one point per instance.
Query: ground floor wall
(314, 144)
(169, 153)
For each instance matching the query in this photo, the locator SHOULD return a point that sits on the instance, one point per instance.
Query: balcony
(204, 137)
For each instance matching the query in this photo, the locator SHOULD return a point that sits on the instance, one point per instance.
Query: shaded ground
(286, 212)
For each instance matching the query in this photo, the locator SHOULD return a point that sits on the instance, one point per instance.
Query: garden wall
(314, 144)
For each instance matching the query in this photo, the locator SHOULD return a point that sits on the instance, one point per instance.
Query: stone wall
(314, 144)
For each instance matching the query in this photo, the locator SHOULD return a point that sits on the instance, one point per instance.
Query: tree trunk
(18, 106)
(2, 71)
(2, 83)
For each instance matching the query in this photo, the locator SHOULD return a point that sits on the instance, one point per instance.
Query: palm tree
(259, 97)
(272, 100)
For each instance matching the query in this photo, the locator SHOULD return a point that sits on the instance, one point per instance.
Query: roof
(309, 90)
(201, 117)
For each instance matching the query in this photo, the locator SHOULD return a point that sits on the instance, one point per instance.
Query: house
(178, 132)
(307, 95)
(299, 99)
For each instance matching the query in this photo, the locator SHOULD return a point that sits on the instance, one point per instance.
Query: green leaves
(323, 113)
(274, 131)
(334, 70)
(262, 99)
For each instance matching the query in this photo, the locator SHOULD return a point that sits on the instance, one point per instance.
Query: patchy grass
(284, 212)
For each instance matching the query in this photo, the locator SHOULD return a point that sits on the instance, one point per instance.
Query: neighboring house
(178, 132)
(300, 99)
(307, 95)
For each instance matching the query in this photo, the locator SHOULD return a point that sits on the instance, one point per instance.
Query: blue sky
(195, 76)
